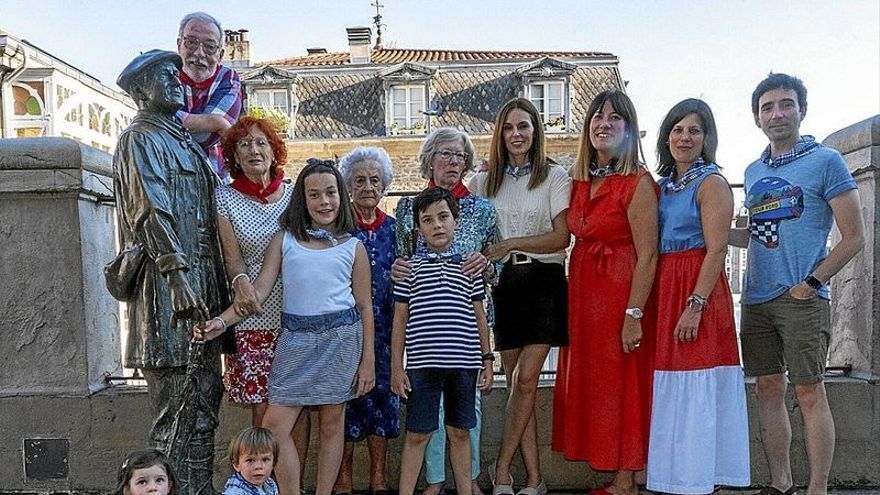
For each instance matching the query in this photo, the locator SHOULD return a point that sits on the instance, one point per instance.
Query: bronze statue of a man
(166, 208)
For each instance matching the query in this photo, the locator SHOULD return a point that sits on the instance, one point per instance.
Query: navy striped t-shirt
(442, 327)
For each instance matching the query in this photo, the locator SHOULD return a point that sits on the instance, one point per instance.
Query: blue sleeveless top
(680, 225)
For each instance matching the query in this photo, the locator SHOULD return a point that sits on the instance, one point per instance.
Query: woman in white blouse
(531, 198)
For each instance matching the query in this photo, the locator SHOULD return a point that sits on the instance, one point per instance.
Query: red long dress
(602, 400)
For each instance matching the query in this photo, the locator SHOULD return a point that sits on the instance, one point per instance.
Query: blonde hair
(627, 156)
(252, 440)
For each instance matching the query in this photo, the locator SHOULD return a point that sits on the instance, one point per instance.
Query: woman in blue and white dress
(375, 417)
(699, 429)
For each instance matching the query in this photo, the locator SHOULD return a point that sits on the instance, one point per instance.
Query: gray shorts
(786, 334)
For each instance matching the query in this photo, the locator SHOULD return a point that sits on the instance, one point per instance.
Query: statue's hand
(185, 304)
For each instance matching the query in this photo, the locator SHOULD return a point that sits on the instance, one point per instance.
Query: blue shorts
(423, 407)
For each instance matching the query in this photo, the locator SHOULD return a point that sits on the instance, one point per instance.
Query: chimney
(237, 49)
(316, 51)
(359, 41)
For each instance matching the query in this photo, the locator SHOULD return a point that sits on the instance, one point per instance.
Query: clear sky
(668, 50)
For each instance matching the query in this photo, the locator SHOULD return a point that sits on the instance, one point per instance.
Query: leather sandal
(541, 489)
(500, 489)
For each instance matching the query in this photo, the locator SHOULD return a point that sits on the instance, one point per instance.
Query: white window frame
(543, 109)
(410, 118)
(272, 94)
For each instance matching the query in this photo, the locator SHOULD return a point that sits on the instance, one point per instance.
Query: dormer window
(407, 102)
(549, 99)
(407, 92)
(547, 84)
(276, 99)
(274, 89)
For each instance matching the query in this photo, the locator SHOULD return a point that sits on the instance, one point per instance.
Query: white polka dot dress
(255, 224)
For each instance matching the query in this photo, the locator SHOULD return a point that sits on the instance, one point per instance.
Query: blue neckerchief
(323, 234)
(805, 145)
(693, 172)
(443, 258)
(237, 485)
(597, 171)
(516, 173)
(448, 256)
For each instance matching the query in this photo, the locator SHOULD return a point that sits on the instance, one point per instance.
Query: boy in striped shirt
(440, 319)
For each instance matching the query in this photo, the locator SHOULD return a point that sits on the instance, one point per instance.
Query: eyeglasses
(447, 155)
(209, 47)
(245, 144)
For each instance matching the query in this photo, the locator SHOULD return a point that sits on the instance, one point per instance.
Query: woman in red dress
(602, 399)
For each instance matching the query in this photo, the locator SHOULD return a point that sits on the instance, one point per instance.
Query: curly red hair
(241, 129)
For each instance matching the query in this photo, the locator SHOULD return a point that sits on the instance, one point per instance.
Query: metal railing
(548, 371)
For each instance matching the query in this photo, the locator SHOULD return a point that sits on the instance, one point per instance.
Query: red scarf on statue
(371, 226)
(246, 186)
(458, 192)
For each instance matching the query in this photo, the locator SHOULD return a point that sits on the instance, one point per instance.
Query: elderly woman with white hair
(446, 156)
(375, 416)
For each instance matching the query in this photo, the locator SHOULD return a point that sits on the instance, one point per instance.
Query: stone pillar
(855, 305)
(59, 325)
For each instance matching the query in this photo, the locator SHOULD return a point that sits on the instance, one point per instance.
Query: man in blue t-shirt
(795, 191)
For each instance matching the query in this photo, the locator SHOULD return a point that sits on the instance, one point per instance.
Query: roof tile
(399, 55)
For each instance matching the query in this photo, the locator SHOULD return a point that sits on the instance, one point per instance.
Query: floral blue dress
(475, 231)
(378, 412)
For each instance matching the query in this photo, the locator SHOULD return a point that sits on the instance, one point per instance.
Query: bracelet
(245, 275)
(221, 320)
(490, 278)
(696, 303)
(489, 356)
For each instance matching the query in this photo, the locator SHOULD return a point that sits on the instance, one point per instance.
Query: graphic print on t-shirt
(770, 201)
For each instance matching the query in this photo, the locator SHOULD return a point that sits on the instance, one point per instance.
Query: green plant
(279, 120)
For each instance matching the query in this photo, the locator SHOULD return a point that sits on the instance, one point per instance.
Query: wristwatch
(813, 282)
(634, 313)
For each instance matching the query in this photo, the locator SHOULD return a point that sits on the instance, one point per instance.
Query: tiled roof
(338, 106)
(400, 55)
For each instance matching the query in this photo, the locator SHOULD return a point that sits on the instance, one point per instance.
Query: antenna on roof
(377, 21)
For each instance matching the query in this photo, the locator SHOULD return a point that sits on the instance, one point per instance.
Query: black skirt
(531, 305)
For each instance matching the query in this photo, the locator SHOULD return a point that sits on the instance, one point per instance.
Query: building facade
(41, 95)
(392, 97)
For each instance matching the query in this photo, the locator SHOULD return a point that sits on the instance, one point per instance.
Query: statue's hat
(144, 61)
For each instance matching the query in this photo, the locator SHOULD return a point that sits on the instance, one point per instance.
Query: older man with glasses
(212, 91)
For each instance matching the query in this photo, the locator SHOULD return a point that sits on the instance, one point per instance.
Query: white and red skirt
(699, 427)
